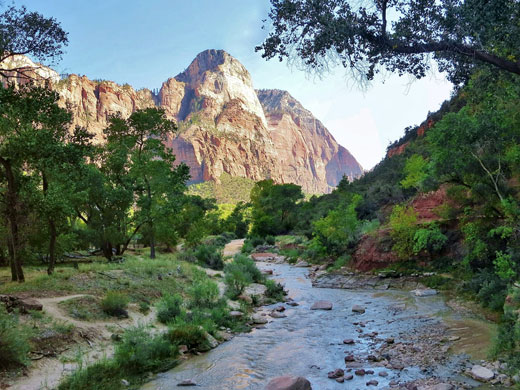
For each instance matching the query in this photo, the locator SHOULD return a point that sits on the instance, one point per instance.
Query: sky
(144, 42)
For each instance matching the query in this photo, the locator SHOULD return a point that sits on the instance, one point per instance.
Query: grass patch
(85, 308)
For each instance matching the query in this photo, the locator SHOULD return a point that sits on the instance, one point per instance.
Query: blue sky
(143, 43)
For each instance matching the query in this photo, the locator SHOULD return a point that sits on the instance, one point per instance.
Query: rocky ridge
(225, 125)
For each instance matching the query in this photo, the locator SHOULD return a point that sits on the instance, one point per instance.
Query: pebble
(372, 382)
(383, 374)
(348, 341)
(337, 373)
(349, 358)
(349, 377)
(360, 372)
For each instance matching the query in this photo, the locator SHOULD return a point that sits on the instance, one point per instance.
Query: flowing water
(309, 343)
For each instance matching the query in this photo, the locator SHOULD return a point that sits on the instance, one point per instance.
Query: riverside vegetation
(89, 212)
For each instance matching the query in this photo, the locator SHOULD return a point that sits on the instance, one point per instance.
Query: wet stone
(348, 341)
(372, 382)
(186, 383)
(322, 305)
(360, 372)
(358, 309)
(337, 373)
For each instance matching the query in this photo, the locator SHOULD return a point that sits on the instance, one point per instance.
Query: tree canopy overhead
(28, 33)
(401, 36)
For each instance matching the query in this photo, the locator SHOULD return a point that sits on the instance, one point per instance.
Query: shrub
(114, 304)
(236, 279)
(249, 267)
(141, 352)
(274, 290)
(270, 240)
(340, 262)
(247, 247)
(403, 227)
(210, 256)
(191, 335)
(168, 308)
(204, 293)
(429, 239)
(256, 241)
(102, 375)
(14, 341)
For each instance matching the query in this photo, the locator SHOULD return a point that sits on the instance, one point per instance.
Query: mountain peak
(210, 60)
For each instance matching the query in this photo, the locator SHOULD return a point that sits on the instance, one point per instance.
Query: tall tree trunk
(107, 250)
(12, 217)
(152, 242)
(10, 250)
(52, 230)
(52, 246)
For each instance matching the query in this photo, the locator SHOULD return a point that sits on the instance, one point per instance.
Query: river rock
(322, 305)
(348, 341)
(349, 377)
(302, 264)
(360, 372)
(210, 343)
(259, 319)
(482, 374)
(289, 383)
(276, 314)
(424, 292)
(372, 382)
(235, 314)
(350, 358)
(292, 303)
(338, 372)
(358, 309)
(187, 382)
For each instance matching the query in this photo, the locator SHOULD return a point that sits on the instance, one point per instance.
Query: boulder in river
(259, 319)
(322, 305)
(338, 372)
(482, 374)
(424, 292)
(186, 383)
(289, 383)
(358, 309)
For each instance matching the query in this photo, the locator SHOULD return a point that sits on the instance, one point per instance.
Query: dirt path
(233, 247)
(93, 342)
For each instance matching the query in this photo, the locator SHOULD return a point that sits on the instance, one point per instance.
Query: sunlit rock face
(308, 152)
(224, 124)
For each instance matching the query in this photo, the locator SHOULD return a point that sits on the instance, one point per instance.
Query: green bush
(256, 241)
(168, 308)
(270, 240)
(209, 256)
(429, 239)
(236, 279)
(274, 290)
(249, 267)
(14, 341)
(340, 262)
(102, 375)
(247, 247)
(189, 334)
(141, 352)
(114, 304)
(403, 225)
(204, 293)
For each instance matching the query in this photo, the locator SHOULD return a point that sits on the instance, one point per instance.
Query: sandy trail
(233, 247)
(46, 373)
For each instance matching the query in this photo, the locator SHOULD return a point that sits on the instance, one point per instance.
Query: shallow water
(309, 343)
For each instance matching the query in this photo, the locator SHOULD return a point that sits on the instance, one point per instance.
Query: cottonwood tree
(401, 36)
(35, 154)
(157, 182)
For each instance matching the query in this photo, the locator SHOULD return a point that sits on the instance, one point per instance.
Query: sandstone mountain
(225, 126)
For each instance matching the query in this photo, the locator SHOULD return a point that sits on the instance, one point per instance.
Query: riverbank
(67, 328)
(396, 338)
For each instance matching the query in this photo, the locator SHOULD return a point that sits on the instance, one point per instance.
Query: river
(310, 343)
